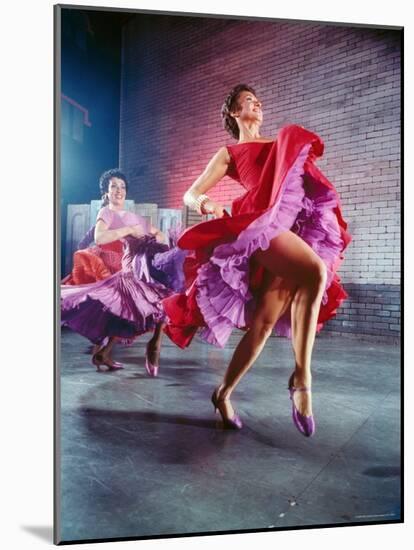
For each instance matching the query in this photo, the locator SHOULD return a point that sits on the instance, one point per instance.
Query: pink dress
(129, 302)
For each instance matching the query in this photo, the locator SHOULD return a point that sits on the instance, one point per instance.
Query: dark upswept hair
(231, 105)
(104, 182)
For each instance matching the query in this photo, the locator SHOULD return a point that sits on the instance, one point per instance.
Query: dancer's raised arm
(195, 198)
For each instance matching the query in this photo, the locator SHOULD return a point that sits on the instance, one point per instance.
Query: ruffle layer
(170, 264)
(119, 306)
(88, 267)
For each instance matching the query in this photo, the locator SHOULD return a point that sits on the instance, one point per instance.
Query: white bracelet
(195, 201)
(201, 209)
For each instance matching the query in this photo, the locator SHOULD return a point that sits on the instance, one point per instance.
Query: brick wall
(341, 82)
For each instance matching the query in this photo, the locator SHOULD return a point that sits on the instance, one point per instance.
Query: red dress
(284, 191)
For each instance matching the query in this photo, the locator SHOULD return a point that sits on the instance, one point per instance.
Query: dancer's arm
(103, 235)
(87, 239)
(215, 170)
(158, 234)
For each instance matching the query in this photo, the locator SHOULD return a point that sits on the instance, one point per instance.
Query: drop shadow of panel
(43, 532)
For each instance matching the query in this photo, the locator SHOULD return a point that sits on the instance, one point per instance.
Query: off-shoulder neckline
(271, 141)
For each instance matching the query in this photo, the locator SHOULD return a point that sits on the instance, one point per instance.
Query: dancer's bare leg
(290, 257)
(106, 351)
(103, 355)
(96, 348)
(154, 344)
(274, 299)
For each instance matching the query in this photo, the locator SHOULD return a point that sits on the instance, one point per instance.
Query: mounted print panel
(228, 329)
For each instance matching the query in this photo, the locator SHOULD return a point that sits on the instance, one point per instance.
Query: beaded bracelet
(202, 210)
(196, 202)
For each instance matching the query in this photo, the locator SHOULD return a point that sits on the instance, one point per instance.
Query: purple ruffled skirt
(126, 304)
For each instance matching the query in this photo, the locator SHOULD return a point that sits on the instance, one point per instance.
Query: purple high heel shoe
(305, 424)
(234, 423)
(151, 368)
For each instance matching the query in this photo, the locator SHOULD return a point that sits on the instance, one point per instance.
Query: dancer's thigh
(273, 298)
(289, 257)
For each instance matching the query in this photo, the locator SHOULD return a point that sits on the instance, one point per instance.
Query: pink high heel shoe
(151, 368)
(305, 424)
(234, 423)
(98, 360)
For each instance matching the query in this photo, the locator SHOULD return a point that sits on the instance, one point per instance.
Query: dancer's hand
(136, 231)
(159, 235)
(213, 208)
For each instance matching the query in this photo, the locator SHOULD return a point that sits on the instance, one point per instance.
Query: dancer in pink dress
(129, 302)
(272, 264)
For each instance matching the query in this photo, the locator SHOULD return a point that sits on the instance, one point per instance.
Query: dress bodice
(116, 219)
(131, 246)
(247, 161)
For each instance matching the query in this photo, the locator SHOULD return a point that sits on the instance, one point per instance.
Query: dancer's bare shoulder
(221, 157)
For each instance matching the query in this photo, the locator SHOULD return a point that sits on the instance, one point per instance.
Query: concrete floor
(143, 457)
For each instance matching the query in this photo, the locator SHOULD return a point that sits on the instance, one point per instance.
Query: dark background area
(91, 78)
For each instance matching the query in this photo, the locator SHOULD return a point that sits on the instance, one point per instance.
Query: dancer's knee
(316, 276)
(263, 326)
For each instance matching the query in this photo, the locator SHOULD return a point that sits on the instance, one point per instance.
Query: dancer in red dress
(272, 264)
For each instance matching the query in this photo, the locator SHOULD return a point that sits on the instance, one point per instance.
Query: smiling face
(249, 108)
(116, 192)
